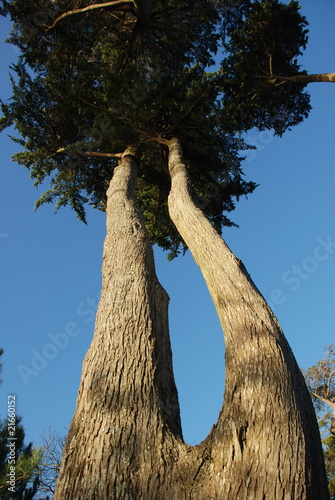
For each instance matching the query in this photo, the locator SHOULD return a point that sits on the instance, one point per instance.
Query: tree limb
(90, 7)
(318, 77)
(326, 401)
(102, 155)
(92, 153)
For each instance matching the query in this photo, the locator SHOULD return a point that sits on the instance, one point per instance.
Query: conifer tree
(119, 97)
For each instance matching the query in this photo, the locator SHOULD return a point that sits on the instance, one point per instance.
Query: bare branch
(52, 447)
(171, 129)
(114, 3)
(314, 78)
(102, 155)
(91, 153)
(326, 401)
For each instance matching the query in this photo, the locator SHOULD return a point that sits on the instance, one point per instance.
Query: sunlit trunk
(126, 425)
(266, 444)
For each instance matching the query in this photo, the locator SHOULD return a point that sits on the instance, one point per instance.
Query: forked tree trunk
(266, 444)
(125, 440)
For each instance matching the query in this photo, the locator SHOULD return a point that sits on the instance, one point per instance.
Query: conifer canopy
(96, 77)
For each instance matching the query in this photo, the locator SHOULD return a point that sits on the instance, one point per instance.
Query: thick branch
(114, 3)
(93, 153)
(318, 77)
(102, 155)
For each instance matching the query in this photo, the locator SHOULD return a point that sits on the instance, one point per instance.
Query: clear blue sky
(51, 265)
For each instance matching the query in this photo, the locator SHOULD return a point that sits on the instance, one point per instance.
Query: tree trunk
(319, 77)
(266, 444)
(125, 440)
(126, 428)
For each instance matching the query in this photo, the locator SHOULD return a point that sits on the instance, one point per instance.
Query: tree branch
(91, 153)
(172, 128)
(102, 155)
(90, 7)
(318, 77)
(326, 401)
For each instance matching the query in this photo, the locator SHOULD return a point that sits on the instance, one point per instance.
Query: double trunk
(125, 440)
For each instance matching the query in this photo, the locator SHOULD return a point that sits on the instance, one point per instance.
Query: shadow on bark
(125, 440)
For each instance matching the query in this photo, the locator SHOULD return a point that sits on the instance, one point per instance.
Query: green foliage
(265, 41)
(27, 460)
(329, 454)
(328, 444)
(137, 74)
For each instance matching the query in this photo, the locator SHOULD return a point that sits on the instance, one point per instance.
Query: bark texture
(266, 444)
(125, 440)
(126, 428)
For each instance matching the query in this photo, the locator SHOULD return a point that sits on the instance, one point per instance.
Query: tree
(320, 380)
(52, 446)
(125, 92)
(123, 104)
(27, 460)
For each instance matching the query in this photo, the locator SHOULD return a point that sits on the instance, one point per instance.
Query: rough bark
(125, 440)
(126, 428)
(266, 444)
(319, 77)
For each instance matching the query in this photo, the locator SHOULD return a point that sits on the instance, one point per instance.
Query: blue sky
(51, 265)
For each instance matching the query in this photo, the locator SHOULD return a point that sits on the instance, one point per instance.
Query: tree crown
(93, 78)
